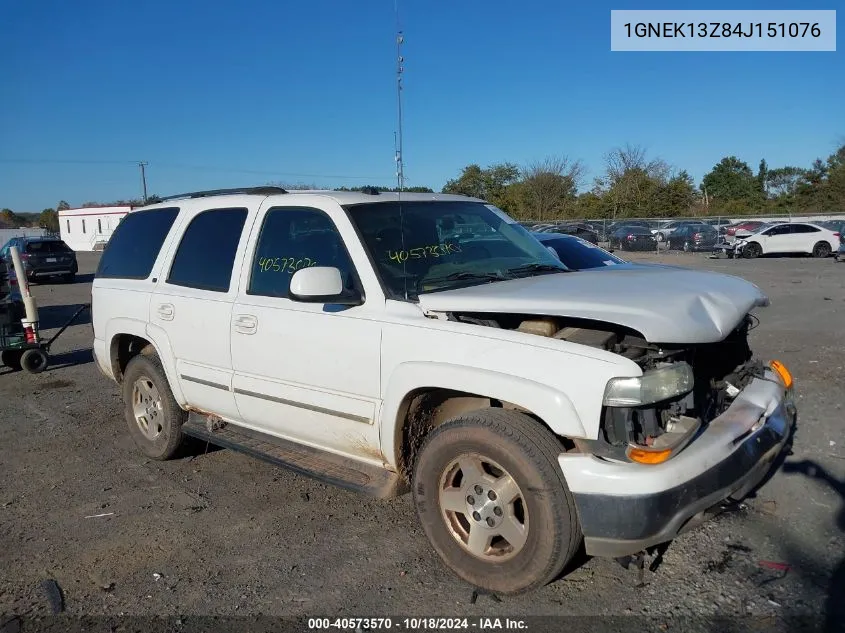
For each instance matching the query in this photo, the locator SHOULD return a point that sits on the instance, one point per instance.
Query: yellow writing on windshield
(421, 252)
(284, 264)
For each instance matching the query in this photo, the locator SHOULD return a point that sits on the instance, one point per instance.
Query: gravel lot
(219, 533)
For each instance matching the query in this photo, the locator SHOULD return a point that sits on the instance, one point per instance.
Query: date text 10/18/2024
(416, 624)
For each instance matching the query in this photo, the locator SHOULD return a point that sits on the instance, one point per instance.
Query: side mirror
(322, 284)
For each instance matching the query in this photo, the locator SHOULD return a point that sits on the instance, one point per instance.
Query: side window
(292, 238)
(99, 226)
(83, 225)
(68, 225)
(135, 244)
(804, 228)
(206, 254)
(781, 229)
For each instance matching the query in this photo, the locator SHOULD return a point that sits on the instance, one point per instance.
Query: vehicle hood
(666, 305)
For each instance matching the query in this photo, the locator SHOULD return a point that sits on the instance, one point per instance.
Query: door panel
(304, 371)
(192, 306)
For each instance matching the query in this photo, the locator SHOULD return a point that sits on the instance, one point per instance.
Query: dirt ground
(219, 533)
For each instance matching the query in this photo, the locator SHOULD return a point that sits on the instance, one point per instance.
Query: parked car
(665, 230)
(531, 411)
(576, 253)
(43, 257)
(837, 226)
(577, 229)
(632, 237)
(784, 238)
(750, 225)
(693, 237)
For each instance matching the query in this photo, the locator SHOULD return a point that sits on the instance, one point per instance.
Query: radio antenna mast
(400, 60)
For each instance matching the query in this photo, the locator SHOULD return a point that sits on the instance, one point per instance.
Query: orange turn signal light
(780, 369)
(642, 456)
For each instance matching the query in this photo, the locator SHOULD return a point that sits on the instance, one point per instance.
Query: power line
(258, 172)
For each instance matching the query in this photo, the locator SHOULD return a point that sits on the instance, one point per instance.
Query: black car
(632, 237)
(584, 231)
(576, 253)
(42, 257)
(693, 237)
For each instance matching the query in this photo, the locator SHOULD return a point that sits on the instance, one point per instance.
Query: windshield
(429, 246)
(579, 254)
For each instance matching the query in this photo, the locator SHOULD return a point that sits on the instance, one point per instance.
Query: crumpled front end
(627, 505)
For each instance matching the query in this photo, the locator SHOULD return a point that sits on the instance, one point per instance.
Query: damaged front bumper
(625, 508)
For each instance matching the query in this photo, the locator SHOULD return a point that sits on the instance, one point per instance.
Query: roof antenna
(400, 60)
(397, 140)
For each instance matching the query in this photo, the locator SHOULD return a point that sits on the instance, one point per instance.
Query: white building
(89, 229)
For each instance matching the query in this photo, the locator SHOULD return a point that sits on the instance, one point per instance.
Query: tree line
(631, 185)
(634, 185)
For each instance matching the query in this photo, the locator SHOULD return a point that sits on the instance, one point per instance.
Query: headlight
(653, 386)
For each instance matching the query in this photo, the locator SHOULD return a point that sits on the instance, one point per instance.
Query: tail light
(696, 236)
(24, 256)
(29, 332)
(630, 236)
(838, 235)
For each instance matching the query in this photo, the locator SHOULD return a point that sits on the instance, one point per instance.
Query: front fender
(551, 405)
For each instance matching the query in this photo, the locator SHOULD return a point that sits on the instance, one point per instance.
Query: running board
(305, 460)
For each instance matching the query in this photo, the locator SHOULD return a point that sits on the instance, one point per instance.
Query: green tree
(762, 178)
(551, 186)
(676, 196)
(633, 182)
(488, 184)
(49, 219)
(731, 179)
(11, 219)
(783, 181)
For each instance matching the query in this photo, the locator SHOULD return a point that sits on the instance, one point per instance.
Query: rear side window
(206, 254)
(135, 244)
(804, 228)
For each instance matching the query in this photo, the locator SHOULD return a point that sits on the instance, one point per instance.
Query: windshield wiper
(459, 276)
(538, 268)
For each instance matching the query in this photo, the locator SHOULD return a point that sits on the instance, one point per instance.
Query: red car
(744, 226)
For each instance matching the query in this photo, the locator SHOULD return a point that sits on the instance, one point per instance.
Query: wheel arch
(421, 396)
(131, 338)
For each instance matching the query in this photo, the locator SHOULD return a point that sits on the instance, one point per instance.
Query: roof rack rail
(265, 191)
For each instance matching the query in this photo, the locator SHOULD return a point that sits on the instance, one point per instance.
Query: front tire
(154, 417)
(493, 502)
(752, 250)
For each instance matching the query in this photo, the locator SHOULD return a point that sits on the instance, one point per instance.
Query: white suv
(381, 341)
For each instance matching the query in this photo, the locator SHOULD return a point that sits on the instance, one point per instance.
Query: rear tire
(752, 250)
(822, 250)
(493, 501)
(154, 417)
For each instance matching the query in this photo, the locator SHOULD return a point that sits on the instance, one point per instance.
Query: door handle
(246, 324)
(166, 311)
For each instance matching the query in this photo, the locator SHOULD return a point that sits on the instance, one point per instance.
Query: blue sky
(217, 94)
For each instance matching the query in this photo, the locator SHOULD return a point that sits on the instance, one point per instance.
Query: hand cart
(21, 347)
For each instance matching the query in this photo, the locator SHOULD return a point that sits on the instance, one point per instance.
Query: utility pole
(142, 164)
